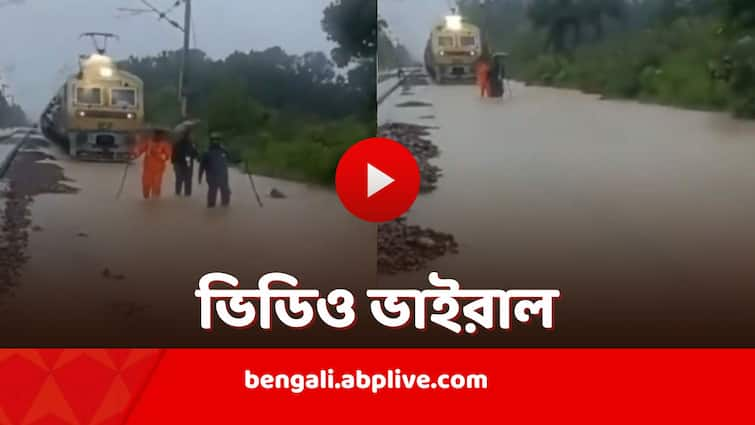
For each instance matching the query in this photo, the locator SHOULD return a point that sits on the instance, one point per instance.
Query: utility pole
(186, 30)
(183, 78)
(485, 26)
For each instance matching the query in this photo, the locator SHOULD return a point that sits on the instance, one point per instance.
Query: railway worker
(157, 150)
(184, 155)
(214, 164)
(483, 74)
(495, 84)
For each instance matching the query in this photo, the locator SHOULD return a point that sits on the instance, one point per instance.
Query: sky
(40, 38)
(410, 21)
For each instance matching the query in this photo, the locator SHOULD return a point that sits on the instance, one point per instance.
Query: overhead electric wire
(164, 15)
(174, 7)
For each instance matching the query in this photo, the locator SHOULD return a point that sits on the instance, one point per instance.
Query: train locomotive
(453, 50)
(97, 113)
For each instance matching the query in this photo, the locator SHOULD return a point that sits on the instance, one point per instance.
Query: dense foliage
(11, 115)
(692, 53)
(353, 25)
(282, 114)
(391, 54)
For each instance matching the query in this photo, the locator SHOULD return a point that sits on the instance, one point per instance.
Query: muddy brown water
(107, 271)
(642, 215)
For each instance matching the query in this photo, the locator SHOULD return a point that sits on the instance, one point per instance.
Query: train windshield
(123, 97)
(89, 95)
(445, 41)
(467, 41)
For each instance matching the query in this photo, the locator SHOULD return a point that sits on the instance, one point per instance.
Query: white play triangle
(376, 180)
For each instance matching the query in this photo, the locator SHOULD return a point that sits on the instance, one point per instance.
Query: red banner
(376, 386)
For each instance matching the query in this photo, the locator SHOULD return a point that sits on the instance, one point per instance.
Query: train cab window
(467, 41)
(445, 41)
(89, 95)
(123, 97)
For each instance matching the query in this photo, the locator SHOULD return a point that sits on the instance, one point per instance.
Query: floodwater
(643, 216)
(107, 271)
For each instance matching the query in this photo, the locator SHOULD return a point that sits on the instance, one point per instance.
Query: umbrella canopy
(184, 127)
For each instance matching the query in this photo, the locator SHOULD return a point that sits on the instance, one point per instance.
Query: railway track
(389, 87)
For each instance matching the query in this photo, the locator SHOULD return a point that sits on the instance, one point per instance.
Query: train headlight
(472, 53)
(442, 53)
(453, 22)
(130, 116)
(82, 114)
(106, 72)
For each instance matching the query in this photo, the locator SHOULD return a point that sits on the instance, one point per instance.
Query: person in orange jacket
(483, 75)
(157, 151)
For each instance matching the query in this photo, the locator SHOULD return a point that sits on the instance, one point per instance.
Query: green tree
(288, 115)
(669, 11)
(562, 18)
(740, 14)
(11, 115)
(353, 25)
(595, 12)
(390, 54)
(558, 18)
(276, 109)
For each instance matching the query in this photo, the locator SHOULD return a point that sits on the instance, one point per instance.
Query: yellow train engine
(97, 113)
(453, 51)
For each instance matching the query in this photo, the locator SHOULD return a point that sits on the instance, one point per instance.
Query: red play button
(377, 180)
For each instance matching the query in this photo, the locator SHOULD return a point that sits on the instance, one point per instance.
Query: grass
(305, 152)
(282, 144)
(669, 65)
